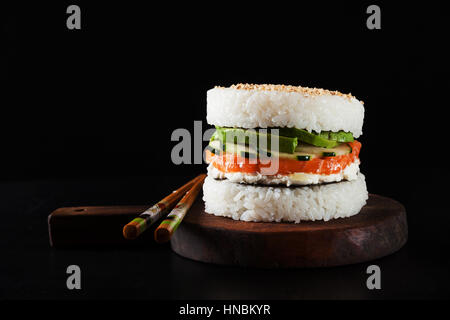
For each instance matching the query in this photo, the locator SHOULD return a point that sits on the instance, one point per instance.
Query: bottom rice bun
(290, 204)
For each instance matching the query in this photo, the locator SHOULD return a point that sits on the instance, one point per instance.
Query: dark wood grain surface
(92, 225)
(378, 230)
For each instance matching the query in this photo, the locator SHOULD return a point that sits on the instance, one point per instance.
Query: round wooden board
(378, 230)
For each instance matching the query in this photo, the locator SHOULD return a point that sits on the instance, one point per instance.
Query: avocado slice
(215, 136)
(340, 136)
(308, 137)
(242, 136)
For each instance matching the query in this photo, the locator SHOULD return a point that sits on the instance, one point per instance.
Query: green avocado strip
(288, 137)
(308, 137)
(340, 136)
(245, 137)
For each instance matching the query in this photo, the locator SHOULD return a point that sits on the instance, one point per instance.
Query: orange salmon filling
(231, 162)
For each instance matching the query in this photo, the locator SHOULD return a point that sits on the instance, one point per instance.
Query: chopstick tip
(162, 235)
(130, 232)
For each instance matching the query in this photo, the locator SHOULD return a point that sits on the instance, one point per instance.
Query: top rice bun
(264, 106)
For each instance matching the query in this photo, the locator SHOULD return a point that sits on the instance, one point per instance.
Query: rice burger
(283, 153)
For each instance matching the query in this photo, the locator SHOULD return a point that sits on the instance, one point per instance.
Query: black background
(87, 116)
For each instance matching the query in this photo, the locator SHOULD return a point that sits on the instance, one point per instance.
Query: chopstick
(166, 229)
(138, 225)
